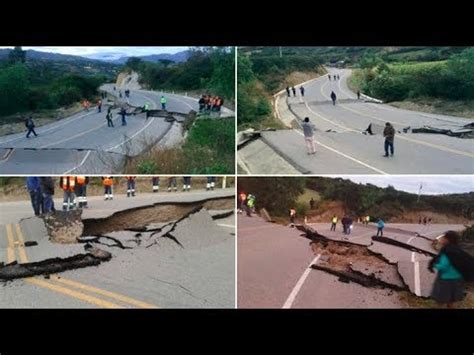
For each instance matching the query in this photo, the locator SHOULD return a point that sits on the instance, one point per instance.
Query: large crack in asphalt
(357, 263)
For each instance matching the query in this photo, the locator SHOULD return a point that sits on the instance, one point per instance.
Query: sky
(432, 184)
(118, 52)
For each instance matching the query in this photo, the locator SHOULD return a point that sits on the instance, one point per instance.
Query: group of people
(208, 104)
(425, 220)
(335, 77)
(246, 203)
(347, 224)
(41, 190)
(293, 90)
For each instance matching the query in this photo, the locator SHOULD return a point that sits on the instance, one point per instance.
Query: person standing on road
(47, 193)
(108, 182)
(123, 113)
(163, 102)
(81, 191)
(333, 223)
(302, 91)
(172, 184)
(186, 183)
(311, 203)
(155, 181)
(108, 116)
(211, 182)
(68, 184)
(288, 91)
(389, 134)
(333, 97)
(454, 266)
(250, 204)
(34, 189)
(292, 216)
(30, 125)
(358, 94)
(120, 93)
(380, 227)
(294, 91)
(130, 185)
(242, 200)
(146, 108)
(99, 106)
(329, 76)
(308, 130)
(202, 104)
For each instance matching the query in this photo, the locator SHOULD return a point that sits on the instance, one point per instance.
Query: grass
(208, 149)
(307, 195)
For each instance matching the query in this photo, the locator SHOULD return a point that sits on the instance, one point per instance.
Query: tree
(134, 63)
(17, 55)
(166, 62)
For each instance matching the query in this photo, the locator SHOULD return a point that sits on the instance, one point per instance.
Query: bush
(147, 167)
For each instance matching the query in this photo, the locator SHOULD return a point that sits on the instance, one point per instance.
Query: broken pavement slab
(417, 276)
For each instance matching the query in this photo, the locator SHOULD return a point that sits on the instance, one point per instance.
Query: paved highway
(343, 149)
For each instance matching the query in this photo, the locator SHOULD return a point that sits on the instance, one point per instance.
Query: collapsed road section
(169, 254)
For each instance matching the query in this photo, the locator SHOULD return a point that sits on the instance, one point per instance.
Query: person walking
(294, 91)
(186, 183)
(454, 267)
(329, 76)
(211, 183)
(292, 216)
(302, 91)
(358, 94)
(146, 108)
(389, 135)
(68, 184)
(30, 125)
(34, 189)
(288, 91)
(130, 185)
(163, 102)
(380, 227)
(99, 106)
(333, 97)
(47, 193)
(124, 114)
(333, 223)
(108, 116)
(308, 131)
(242, 200)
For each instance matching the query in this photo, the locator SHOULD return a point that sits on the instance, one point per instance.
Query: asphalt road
(83, 143)
(274, 267)
(343, 149)
(199, 275)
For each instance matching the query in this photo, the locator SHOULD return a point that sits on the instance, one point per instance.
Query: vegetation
(261, 73)
(276, 194)
(450, 79)
(29, 85)
(208, 69)
(208, 149)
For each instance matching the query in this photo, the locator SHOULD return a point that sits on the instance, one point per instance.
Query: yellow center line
(78, 285)
(11, 246)
(435, 146)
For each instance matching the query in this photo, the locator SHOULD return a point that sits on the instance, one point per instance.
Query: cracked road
(341, 146)
(199, 275)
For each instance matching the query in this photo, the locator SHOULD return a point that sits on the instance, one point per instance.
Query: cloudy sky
(115, 52)
(432, 184)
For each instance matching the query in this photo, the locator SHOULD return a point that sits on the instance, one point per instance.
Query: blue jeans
(388, 145)
(48, 203)
(163, 106)
(36, 201)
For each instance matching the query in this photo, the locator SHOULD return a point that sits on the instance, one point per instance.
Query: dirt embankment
(297, 77)
(325, 210)
(128, 80)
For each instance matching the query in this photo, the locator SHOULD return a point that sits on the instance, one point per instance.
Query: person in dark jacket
(33, 187)
(389, 134)
(288, 91)
(294, 91)
(302, 91)
(30, 125)
(47, 191)
(333, 96)
(449, 285)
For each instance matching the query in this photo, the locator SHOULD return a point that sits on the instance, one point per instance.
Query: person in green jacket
(163, 102)
(449, 285)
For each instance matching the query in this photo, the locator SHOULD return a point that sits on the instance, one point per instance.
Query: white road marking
(82, 163)
(133, 136)
(409, 240)
(299, 284)
(346, 156)
(226, 225)
(416, 266)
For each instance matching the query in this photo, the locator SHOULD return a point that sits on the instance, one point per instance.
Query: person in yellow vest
(68, 184)
(108, 182)
(81, 191)
(333, 223)
(292, 216)
(130, 185)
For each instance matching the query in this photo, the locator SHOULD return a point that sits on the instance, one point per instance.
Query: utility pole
(419, 192)
(281, 54)
(224, 180)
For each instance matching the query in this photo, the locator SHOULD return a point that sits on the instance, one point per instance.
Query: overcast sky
(432, 184)
(118, 51)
